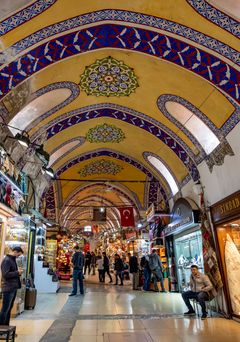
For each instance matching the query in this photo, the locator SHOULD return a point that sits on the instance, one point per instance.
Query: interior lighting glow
(165, 173)
(206, 138)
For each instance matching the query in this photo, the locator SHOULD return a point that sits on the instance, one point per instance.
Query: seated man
(200, 286)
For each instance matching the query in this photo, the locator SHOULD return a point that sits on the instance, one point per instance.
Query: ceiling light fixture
(48, 171)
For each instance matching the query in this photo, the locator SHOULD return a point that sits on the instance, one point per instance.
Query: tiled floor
(109, 313)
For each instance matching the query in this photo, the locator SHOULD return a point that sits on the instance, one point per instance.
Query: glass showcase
(188, 251)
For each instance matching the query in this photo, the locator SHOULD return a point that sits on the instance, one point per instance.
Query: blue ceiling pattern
(224, 76)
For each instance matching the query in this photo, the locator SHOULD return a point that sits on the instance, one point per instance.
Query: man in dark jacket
(88, 258)
(146, 272)
(78, 264)
(10, 283)
(133, 265)
(118, 267)
(106, 266)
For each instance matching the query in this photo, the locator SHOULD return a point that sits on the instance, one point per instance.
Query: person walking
(10, 283)
(93, 263)
(146, 272)
(87, 263)
(106, 266)
(119, 268)
(100, 266)
(78, 264)
(200, 287)
(134, 270)
(156, 268)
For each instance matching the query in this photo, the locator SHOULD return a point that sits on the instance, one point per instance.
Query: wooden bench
(7, 333)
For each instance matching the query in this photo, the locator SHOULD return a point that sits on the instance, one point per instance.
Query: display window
(228, 235)
(188, 251)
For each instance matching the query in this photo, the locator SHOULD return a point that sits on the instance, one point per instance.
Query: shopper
(87, 263)
(78, 264)
(10, 283)
(119, 268)
(100, 266)
(146, 272)
(134, 269)
(200, 287)
(93, 263)
(156, 268)
(106, 265)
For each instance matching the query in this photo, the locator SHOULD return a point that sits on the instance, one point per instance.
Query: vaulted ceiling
(118, 91)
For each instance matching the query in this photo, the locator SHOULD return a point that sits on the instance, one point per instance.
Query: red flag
(127, 217)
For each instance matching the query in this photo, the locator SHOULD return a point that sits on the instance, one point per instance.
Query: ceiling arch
(214, 70)
(183, 153)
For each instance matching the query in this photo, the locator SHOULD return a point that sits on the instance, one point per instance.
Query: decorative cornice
(216, 16)
(218, 155)
(219, 73)
(164, 25)
(132, 117)
(24, 15)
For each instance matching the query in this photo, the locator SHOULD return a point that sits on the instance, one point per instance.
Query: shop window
(207, 139)
(188, 251)
(37, 108)
(229, 245)
(158, 164)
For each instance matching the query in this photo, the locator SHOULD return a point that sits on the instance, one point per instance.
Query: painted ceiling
(129, 98)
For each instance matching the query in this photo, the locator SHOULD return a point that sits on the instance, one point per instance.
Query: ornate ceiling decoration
(102, 166)
(108, 77)
(105, 133)
(204, 64)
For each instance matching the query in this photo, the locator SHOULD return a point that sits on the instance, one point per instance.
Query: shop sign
(150, 213)
(183, 215)
(130, 235)
(226, 208)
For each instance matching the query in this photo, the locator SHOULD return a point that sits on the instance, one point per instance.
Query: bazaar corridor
(114, 314)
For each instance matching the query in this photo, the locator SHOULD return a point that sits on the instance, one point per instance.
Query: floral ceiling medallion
(105, 133)
(108, 77)
(100, 167)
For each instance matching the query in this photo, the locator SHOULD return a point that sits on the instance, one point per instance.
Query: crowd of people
(140, 270)
(201, 288)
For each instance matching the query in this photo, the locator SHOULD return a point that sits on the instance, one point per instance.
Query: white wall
(225, 179)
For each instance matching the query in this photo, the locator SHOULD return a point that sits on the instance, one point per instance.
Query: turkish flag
(127, 217)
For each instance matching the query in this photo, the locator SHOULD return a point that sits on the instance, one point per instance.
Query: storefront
(183, 243)
(226, 219)
(15, 229)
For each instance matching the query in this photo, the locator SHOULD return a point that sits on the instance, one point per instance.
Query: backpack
(153, 262)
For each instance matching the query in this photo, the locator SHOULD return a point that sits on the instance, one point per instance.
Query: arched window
(38, 107)
(161, 168)
(202, 133)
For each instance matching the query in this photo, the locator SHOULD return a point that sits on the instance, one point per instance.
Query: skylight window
(63, 150)
(38, 107)
(207, 139)
(165, 173)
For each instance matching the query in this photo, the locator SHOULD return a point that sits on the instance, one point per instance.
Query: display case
(50, 256)
(40, 246)
(17, 234)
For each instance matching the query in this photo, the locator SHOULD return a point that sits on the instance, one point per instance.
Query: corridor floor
(108, 313)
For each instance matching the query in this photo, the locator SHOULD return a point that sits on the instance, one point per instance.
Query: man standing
(156, 269)
(78, 264)
(106, 266)
(133, 265)
(200, 286)
(146, 272)
(118, 267)
(10, 283)
(88, 258)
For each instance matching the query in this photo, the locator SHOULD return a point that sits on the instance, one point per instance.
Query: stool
(7, 333)
(208, 307)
